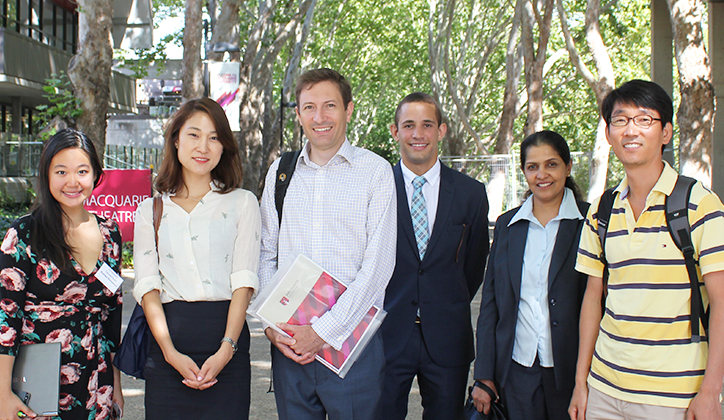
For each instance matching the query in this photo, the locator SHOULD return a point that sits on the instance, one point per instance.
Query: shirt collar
(431, 176)
(567, 210)
(212, 184)
(346, 152)
(664, 185)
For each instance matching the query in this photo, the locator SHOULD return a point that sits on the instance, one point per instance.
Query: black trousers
(530, 393)
(442, 388)
(196, 330)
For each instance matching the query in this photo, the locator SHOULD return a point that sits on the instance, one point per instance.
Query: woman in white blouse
(196, 288)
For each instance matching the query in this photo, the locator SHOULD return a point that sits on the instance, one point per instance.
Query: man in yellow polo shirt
(638, 360)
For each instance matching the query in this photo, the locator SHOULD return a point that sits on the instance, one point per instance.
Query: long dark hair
(47, 237)
(227, 174)
(558, 143)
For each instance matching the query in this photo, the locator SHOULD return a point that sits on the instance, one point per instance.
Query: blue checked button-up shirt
(343, 216)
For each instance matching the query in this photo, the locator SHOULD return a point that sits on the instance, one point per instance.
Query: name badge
(109, 278)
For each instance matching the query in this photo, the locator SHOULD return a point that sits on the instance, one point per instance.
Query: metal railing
(19, 157)
(128, 157)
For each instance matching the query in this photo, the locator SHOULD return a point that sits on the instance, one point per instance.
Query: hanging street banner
(117, 197)
(224, 89)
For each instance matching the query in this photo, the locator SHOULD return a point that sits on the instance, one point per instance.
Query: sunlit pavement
(263, 406)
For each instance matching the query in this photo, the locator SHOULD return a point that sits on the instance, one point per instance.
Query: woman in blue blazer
(527, 335)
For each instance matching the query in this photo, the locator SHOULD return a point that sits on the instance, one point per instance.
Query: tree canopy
(457, 50)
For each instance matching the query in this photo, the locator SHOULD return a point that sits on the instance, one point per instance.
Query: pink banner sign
(118, 195)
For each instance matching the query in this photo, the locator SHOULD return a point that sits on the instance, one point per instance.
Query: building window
(4, 124)
(52, 22)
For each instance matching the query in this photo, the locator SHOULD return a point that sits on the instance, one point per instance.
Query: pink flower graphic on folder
(300, 293)
(320, 299)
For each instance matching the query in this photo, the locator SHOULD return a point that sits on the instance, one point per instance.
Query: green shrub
(10, 212)
(128, 255)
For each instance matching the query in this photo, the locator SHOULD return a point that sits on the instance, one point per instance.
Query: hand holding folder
(300, 293)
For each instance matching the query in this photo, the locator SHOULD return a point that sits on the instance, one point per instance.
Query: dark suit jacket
(501, 295)
(444, 283)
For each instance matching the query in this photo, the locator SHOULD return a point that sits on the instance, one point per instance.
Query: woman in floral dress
(49, 290)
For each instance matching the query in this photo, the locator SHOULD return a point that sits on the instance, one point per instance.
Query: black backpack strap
(677, 220)
(603, 215)
(287, 164)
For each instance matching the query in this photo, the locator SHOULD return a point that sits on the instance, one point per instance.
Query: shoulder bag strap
(287, 164)
(603, 215)
(677, 221)
(157, 214)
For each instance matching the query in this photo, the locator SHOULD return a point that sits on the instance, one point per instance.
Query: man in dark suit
(442, 244)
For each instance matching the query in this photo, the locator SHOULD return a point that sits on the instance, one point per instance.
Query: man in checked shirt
(340, 211)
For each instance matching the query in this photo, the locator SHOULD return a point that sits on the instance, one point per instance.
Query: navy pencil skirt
(196, 330)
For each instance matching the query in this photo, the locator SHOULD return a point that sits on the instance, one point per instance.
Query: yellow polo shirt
(644, 353)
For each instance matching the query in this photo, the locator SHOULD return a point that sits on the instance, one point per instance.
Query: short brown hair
(418, 97)
(312, 77)
(227, 174)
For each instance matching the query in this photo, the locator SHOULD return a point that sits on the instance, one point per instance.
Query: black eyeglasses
(643, 121)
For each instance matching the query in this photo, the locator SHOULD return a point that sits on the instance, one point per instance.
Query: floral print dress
(39, 304)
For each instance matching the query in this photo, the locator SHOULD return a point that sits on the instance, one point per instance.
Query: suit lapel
(404, 220)
(564, 241)
(444, 204)
(518, 234)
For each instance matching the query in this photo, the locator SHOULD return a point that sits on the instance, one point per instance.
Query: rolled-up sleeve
(270, 228)
(369, 285)
(145, 257)
(247, 245)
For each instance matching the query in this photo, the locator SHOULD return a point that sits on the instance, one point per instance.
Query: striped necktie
(418, 211)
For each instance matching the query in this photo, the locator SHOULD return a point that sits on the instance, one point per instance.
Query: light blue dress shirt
(431, 189)
(533, 328)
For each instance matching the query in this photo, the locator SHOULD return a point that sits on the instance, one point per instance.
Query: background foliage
(385, 50)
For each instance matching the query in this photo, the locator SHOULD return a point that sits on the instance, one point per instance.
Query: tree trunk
(695, 116)
(90, 68)
(535, 59)
(505, 138)
(191, 67)
(271, 147)
(226, 29)
(601, 86)
(257, 97)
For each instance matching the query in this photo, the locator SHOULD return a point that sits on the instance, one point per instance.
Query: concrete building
(38, 39)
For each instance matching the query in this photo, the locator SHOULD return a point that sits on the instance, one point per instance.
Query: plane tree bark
(695, 116)
(90, 68)
(191, 66)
